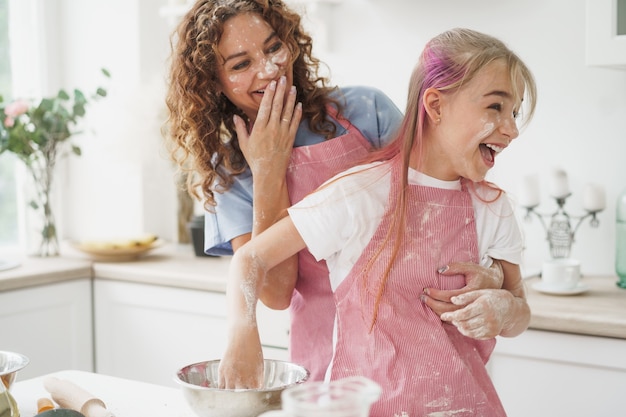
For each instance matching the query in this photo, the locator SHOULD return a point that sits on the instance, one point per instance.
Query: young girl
(385, 228)
(251, 152)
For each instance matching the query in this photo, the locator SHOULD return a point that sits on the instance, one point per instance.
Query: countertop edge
(549, 323)
(43, 271)
(181, 282)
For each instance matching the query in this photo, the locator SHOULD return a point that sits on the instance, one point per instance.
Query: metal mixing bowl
(199, 385)
(10, 364)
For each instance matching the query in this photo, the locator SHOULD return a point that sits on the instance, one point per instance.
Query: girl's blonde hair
(447, 62)
(200, 131)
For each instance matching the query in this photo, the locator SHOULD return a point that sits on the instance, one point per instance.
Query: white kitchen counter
(601, 311)
(41, 271)
(170, 265)
(173, 266)
(123, 397)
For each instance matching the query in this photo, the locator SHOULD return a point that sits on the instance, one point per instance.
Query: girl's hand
(242, 364)
(268, 146)
(476, 277)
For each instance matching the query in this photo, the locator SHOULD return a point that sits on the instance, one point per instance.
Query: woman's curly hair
(200, 132)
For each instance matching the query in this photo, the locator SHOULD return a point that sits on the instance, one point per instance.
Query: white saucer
(579, 289)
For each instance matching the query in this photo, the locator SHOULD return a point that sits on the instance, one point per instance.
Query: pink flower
(16, 108)
(9, 121)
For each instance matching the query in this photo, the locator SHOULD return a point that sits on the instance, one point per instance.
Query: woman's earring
(438, 120)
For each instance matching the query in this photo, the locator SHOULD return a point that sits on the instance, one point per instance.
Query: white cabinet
(605, 39)
(545, 374)
(274, 330)
(146, 332)
(51, 324)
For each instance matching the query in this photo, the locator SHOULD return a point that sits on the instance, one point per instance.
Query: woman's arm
(242, 364)
(267, 149)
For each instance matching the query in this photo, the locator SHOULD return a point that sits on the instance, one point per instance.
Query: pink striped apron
(426, 367)
(312, 306)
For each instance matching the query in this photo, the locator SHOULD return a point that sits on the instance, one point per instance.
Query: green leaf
(76, 150)
(79, 97)
(79, 109)
(63, 95)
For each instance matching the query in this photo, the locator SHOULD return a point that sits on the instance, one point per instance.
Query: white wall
(123, 183)
(578, 126)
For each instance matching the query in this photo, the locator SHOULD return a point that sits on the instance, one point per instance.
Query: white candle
(560, 185)
(529, 191)
(594, 198)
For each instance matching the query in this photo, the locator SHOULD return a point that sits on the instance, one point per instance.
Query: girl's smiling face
(477, 122)
(252, 56)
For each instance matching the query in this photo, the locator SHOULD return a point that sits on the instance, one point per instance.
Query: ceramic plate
(579, 289)
(116, 254)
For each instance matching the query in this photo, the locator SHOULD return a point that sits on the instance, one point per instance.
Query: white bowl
(199, 386)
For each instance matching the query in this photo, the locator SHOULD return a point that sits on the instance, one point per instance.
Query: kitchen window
(8, 185)
(21, 75)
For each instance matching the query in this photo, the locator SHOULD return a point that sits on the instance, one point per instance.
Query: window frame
(27, 27)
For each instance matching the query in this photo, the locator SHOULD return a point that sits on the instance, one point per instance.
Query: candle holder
(559, 233)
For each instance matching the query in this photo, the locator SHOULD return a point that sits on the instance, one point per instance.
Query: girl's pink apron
(424, 365)
(312, 306)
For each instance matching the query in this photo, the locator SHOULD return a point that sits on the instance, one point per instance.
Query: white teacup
(561, 273)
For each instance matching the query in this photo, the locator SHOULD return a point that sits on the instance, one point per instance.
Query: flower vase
(43, 225)
(48, 239)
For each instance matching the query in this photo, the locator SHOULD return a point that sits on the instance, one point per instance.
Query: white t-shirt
(339, 219)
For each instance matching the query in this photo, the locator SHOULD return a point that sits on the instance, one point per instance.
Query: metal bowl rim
(185, 384)
(24, 360)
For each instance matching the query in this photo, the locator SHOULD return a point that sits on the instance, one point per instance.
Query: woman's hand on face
(268, 146)
(242, 364)
(483, 313)
(476, 277)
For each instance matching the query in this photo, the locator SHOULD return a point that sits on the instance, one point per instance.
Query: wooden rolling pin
(69, 395)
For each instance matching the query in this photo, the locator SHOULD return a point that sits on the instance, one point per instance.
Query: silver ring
(286, 120)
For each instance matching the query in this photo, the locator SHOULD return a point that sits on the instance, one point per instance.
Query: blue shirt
(367, 108)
